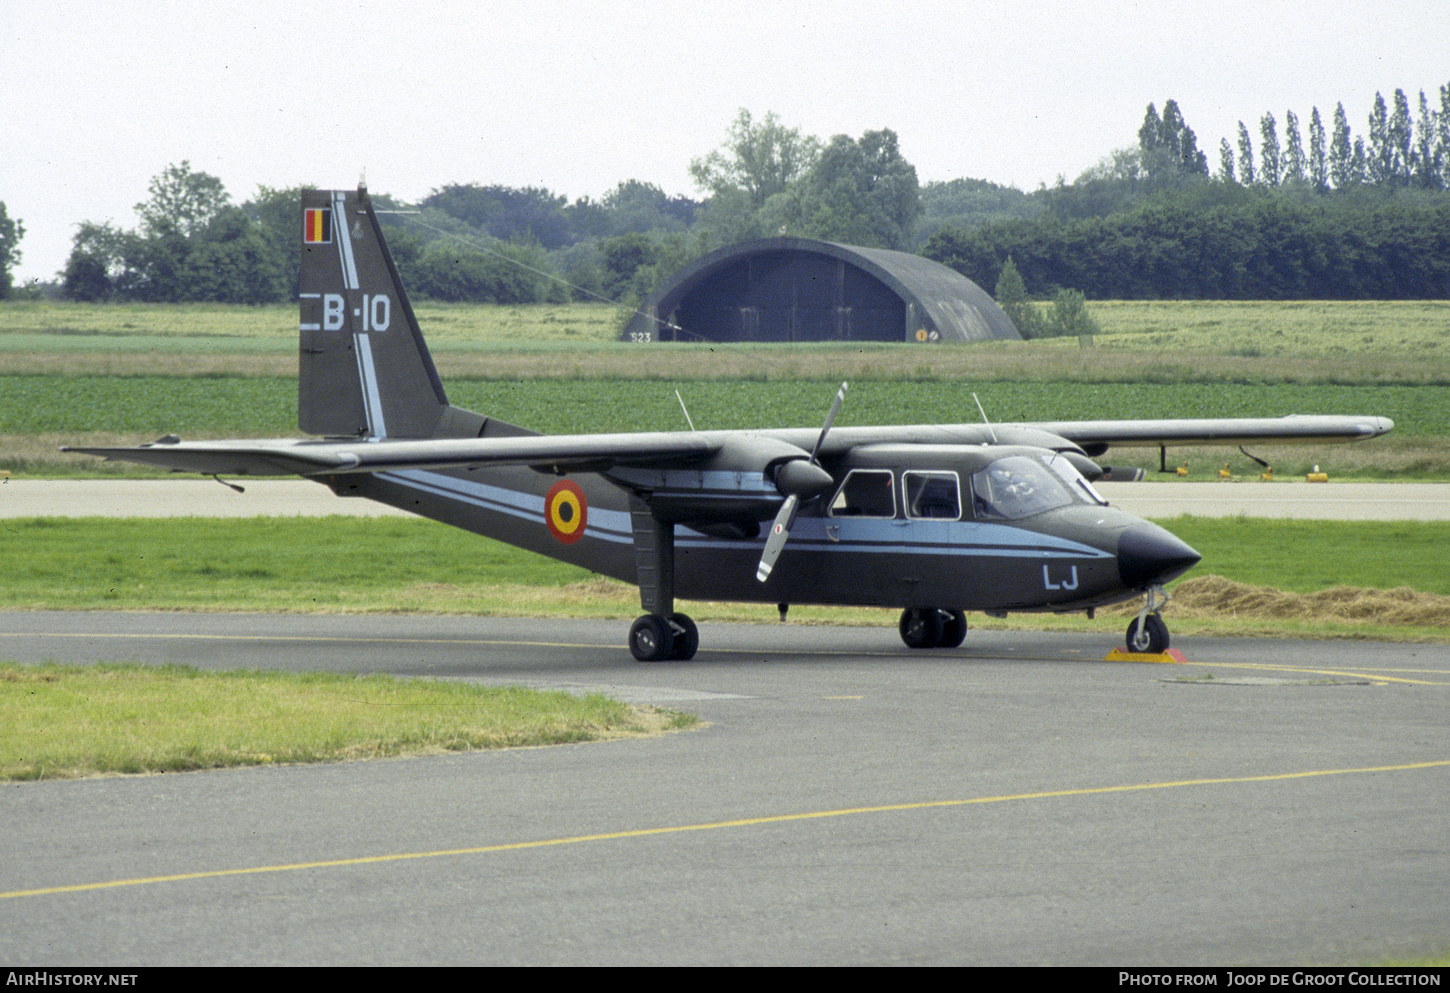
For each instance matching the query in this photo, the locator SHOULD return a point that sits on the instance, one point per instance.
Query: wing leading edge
(1290, 429)
(297, 457)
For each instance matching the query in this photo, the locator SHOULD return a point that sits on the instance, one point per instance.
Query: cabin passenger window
(865, 493)
(931, 495)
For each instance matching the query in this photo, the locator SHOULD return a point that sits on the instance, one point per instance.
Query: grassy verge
(347, 565)
(71, 721)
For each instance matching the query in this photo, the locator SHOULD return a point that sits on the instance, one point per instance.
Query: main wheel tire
(651, 639)
(920, 627)
(953, 630)
(1152, 639)
(687, 639)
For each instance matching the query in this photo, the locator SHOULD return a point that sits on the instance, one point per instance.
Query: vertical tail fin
(363, 367)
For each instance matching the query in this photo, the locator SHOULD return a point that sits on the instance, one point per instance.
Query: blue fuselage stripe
(963, 538)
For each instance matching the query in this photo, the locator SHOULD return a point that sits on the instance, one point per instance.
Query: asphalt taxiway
(189, 496)
(1016, 801)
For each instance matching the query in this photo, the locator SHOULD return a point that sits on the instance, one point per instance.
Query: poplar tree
(1380, 161)
(1318, 157)
(1269, 164)
(1168, 146)
(1150, 133)
(1341, 152)
(1246, 156)
(1293, 150)
(1427, 159)
(1402, 155)
(1442, 135)
(1226, 162)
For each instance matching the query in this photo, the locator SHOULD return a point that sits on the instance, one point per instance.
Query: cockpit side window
(933, 495)
(865, 493)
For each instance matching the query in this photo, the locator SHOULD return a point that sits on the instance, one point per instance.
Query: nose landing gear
(1147, 634)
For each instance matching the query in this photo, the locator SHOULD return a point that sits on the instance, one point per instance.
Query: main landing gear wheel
(953, 630)
(931, 627)
(687, 638)
(1150, 637)
(653, 638)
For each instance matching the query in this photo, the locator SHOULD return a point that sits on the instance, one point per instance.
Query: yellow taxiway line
(712, 826)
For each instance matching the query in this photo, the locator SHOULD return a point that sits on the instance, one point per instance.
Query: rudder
(363, 368)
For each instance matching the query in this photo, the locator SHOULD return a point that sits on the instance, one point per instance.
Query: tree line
(1334, 216)
(1346, 217)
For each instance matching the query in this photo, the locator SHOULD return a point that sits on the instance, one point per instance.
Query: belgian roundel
(566, 511)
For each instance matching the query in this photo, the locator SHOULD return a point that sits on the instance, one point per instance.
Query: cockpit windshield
(1018, 486)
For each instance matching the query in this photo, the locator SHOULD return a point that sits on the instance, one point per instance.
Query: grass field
(1298, 326)
(122, 374)
(1178, 341)
(40, 413)
(64, 722)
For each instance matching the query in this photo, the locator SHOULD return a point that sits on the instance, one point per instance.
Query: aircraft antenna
(984, 418)
(685, 409)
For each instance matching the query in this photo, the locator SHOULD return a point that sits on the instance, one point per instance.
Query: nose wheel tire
(1149, 637)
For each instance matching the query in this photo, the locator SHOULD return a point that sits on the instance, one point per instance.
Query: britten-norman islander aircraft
(936, 519)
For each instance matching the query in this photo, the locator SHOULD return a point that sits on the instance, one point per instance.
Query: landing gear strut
(1147, 634)
(932, 627)
(661, 634)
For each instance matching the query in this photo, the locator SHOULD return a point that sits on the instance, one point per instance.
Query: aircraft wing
(1289, 430)
(598, 452)
(293, 457)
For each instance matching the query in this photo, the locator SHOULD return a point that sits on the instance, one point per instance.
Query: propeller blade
(797, 479)
(779, 532)
(830, 419)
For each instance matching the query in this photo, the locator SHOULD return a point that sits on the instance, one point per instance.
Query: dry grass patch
(1215, 596)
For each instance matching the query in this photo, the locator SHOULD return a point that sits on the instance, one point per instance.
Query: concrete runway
(22, 497)
(1016, 801)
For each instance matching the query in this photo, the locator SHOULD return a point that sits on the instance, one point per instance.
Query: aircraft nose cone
(1148, 555)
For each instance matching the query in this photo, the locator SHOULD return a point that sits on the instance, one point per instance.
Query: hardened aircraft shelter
(800, 290)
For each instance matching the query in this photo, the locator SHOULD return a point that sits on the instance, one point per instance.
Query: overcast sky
(97, 98)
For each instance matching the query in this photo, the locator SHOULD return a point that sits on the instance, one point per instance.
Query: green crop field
(104, 374)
